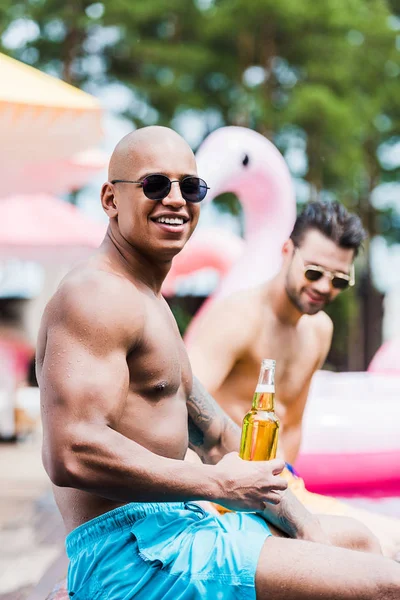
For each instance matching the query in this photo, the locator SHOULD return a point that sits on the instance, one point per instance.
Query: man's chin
(314, 308)
(171, 250)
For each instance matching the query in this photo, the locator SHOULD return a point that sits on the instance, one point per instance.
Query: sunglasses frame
(331, 274)
(171, 181)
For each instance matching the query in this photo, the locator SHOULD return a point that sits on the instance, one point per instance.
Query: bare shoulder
(245, 304)
(240, 311)
(323, 325)
(319, 327)
(94, 300)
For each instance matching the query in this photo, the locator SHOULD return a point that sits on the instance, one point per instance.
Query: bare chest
(296, 355)
(159, 365)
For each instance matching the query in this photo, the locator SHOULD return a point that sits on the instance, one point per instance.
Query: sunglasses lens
(340, 283)
(156, 187)
(193, 189)
(312, 274)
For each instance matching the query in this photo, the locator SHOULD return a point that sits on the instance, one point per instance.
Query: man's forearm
(212, 434)
(110, 465)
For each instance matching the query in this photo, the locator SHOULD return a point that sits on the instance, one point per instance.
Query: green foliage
(341, 311)
(229, 203)
(389, 225)
(328, 68)
(182, 317)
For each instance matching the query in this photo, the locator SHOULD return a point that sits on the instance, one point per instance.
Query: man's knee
(370, 543)
(389, 587)
(357, 536)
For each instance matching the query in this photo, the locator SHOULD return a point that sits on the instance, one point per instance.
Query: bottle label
(265, 388)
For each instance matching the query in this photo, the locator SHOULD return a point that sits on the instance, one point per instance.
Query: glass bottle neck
(265, 391)
(264, 398)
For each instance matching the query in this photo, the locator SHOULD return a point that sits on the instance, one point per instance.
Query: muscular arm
(84, 384)
(212, 434)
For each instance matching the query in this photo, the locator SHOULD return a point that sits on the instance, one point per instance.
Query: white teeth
(170, 221)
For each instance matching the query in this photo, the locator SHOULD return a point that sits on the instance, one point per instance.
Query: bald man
(120, 407)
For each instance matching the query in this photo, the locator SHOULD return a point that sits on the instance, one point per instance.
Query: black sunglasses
(157, 187)
(339, 281)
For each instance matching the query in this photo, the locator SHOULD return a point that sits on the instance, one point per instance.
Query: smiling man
(120, 407)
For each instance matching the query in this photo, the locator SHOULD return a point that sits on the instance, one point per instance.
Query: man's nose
(323, 285)
(174, 197)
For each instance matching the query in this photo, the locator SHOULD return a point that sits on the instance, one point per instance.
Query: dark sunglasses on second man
(339, 280)
(157, 187)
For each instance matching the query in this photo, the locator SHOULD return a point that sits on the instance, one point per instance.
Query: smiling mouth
(171, 221)
(316, 299)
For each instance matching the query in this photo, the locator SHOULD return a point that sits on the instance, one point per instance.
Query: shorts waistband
(119, 518)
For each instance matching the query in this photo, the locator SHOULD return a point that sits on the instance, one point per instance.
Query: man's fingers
(269, 501)
(280, 483)
(277, 465)
(273, 500)
(273, 497)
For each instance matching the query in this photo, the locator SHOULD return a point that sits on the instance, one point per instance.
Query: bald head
(145, 143)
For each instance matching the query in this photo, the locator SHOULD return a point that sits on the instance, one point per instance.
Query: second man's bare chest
(296, 361)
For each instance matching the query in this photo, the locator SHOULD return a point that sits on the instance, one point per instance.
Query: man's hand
(291, 517)
(250, 486)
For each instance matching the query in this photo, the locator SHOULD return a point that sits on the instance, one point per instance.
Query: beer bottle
(260, 425)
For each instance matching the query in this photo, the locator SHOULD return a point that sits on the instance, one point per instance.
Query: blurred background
(320, 80)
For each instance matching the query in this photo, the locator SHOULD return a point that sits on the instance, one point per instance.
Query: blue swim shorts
(165, 551)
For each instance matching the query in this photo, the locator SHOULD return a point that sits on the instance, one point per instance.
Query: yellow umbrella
(42, 117)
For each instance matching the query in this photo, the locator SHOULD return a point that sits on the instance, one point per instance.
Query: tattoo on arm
(208, 424)
(201, 412)
(196, 436)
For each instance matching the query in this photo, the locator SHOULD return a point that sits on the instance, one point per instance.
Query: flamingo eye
(245, 160)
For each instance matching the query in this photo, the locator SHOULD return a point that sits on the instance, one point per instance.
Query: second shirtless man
(284, 319)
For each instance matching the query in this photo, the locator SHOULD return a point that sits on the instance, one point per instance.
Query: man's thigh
(296, 570)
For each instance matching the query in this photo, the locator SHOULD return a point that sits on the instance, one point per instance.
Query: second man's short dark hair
(333, 220)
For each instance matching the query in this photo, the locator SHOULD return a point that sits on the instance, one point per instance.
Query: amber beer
(260, 425)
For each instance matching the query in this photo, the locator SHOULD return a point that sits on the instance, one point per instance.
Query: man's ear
(108, 201)
(287, 249)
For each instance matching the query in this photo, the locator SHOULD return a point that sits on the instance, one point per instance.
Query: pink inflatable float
(387, 359)
(351, 435)
(210, 248)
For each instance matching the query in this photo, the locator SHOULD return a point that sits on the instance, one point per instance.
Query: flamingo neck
(258, 193)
